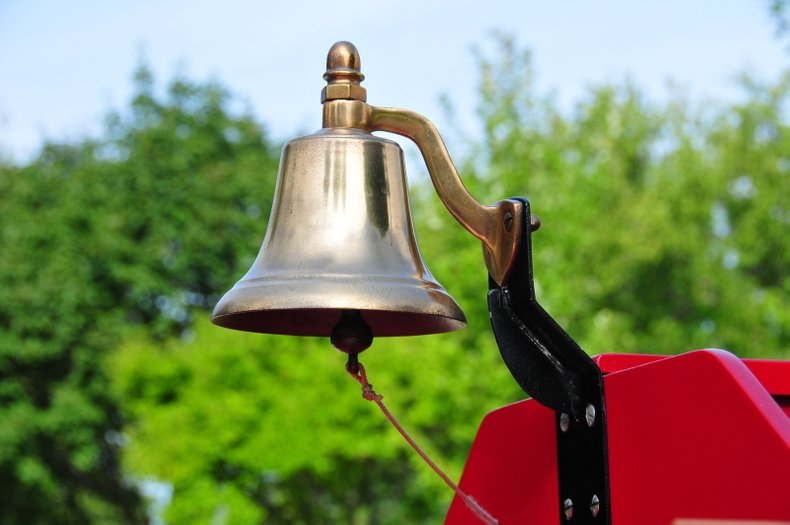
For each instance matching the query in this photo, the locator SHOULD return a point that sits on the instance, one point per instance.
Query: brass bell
(340, 238)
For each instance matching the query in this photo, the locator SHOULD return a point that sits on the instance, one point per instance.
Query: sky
(64, 65)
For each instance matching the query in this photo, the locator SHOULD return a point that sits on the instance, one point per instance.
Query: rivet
(589, 415)
(565, 422)
(567, 509)
(595, 505)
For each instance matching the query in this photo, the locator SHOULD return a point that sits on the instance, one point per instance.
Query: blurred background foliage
(664, 230)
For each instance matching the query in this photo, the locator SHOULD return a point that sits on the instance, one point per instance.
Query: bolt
(534, 222)
(565, 422)
(589, 415)
(595, 505)
(508, 221)
(567, 509)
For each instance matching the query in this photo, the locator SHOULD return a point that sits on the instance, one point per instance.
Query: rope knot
(357, 371)
(369, 394)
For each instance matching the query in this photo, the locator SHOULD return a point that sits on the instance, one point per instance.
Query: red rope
(357, 371)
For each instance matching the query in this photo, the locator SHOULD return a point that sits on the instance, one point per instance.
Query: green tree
(664, 225)
(134, 229)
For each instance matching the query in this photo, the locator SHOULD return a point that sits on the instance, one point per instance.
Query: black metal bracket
(551, 367)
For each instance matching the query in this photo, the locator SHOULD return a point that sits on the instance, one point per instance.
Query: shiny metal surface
(343, 74)
(492, 224)
(340, 237)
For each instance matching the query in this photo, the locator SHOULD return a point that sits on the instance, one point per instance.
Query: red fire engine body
(702, 437)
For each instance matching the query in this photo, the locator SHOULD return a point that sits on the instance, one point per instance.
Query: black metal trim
(551, 367)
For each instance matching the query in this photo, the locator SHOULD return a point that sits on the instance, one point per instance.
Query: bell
(339, 241)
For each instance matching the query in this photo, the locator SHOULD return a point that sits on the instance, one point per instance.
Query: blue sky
(64, 64)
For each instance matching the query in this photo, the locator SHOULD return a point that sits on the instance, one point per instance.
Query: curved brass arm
(494, 225)
(497, 226)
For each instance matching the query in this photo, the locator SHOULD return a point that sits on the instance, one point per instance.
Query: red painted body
(702, 436)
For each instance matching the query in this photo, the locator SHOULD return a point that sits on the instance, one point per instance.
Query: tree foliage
(779, 12)
(97, 237)
(664, 225)
(664, 230)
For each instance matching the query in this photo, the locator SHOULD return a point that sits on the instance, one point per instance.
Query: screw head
(565, 422)
(508, 221)
(595, 505)
(589, 415)
(567, 509)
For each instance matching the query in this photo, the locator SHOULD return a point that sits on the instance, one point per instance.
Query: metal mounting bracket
(551, 367)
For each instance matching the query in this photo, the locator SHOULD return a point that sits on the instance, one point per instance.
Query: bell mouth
(320, 322)
(296, 305)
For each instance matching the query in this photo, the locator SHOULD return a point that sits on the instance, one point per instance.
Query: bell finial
(343, 73)
(343, 57)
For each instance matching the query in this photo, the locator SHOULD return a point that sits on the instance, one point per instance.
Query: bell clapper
(351, 334)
